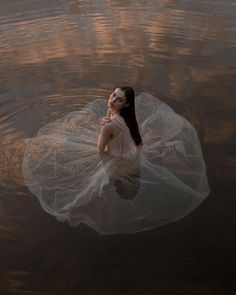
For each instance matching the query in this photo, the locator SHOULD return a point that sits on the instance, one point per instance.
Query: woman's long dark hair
(128, 113)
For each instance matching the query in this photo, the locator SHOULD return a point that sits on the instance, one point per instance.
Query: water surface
(58, 55)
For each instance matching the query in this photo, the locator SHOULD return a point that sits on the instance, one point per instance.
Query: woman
(141, 169)
(120, 137)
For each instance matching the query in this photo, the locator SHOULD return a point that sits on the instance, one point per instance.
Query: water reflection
(57, 55)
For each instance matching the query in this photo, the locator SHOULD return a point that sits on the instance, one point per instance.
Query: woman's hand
(105, 120)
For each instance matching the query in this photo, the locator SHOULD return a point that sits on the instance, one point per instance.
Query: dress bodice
(123, 144)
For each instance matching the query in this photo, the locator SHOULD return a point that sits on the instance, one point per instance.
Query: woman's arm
(106, 119)
(108, 113)
(104, 136)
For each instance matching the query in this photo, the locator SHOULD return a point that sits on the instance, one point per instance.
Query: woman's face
(117, 100)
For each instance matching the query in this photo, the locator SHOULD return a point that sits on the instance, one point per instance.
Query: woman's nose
(113, 99)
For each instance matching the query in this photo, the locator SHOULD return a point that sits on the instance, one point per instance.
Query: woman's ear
(126, 105)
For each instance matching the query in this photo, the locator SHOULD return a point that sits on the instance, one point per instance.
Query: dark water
(58, 55)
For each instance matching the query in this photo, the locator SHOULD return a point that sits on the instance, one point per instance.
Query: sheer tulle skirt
(73, 182)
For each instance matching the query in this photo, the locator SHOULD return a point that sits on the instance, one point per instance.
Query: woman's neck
(114, 113)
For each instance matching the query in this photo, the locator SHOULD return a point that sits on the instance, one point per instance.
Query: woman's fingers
(105, 120)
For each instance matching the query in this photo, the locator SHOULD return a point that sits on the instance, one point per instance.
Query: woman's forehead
(119, 92)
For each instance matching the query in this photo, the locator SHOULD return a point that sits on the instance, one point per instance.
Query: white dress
(122, 145)
(127, 190)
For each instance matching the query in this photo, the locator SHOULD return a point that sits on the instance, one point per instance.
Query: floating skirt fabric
(73, 182)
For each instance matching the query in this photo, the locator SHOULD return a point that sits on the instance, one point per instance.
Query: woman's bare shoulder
(113, 128)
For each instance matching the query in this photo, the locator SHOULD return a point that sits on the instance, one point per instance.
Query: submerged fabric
(127, 190)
